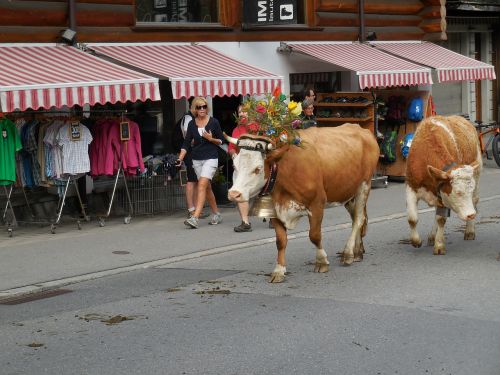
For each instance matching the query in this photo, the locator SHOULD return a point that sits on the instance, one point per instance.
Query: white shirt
(75, 154)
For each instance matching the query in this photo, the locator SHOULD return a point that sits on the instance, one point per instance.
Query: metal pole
(361, 21)
(72, 14)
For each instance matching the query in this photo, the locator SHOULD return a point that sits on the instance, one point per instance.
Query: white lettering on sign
(183, 6)
(262, 12)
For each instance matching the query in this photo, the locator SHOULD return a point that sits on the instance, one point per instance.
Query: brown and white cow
(443, 169)
(331, 165)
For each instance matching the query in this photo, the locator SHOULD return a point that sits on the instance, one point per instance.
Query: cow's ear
(437, 174)
(275, 155)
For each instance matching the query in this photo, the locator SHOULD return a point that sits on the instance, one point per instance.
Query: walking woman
(203, 136)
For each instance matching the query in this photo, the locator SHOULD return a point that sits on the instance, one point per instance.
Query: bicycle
(493, 130)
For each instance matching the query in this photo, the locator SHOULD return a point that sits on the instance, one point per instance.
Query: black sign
(124, 131)
(269, 12)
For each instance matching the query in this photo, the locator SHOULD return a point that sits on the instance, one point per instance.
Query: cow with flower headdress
(303, 170)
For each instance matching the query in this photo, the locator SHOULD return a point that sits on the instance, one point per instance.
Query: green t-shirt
(10, 143)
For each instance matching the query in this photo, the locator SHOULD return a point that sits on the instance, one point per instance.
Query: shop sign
(269, 12)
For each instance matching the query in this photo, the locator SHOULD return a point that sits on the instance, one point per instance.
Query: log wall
(114, 21)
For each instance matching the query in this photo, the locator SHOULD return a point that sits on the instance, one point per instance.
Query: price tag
(4, 134)
(75, 133)
(124, 131)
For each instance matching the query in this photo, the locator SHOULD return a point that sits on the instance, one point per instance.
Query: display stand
(62, 201)
(333, 109)
(338, 108)
(9, 223)
(126, 220)
(397, 169)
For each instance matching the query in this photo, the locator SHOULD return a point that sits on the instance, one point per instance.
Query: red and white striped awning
(450, 66)
(194, 70)
(44, 76)
(373, 67)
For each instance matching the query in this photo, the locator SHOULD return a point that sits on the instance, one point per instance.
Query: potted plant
(219, 186)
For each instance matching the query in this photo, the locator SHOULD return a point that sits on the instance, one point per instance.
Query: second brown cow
(443, 169)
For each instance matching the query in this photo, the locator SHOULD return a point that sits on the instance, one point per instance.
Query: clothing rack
(9, 224)
(62, 201)
(101, 218)
(72, 180)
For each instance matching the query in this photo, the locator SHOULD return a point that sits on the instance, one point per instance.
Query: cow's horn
(232, 140)
(270, 147)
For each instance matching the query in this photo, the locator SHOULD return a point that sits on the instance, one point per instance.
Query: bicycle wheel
(496, 148)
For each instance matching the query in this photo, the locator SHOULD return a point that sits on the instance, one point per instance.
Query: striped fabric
(450, 66)
(194, 70)
(44, 76)
(373, 67)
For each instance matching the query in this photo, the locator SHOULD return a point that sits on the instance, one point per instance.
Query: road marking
(39, 287)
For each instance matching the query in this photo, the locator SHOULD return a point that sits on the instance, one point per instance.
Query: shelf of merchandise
(367, 106)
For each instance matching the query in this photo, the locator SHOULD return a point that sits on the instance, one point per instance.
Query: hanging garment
(10, 143)
(74, 141)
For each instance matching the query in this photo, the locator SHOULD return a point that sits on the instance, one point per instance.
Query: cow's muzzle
(235, 196)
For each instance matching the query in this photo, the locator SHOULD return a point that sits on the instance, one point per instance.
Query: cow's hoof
(468, 236)
(321, 267)
(358, 258)
(439, 251)
(347, 259)
(276, 278)
(416, 243)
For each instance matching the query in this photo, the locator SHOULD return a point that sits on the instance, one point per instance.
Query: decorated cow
(443, 169)
(330, 165)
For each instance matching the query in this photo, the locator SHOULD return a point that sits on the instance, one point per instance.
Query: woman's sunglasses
(201, 107)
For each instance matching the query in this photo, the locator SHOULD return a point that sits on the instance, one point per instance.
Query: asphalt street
(198, 302)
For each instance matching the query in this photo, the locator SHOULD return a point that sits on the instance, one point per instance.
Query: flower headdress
(273, 118)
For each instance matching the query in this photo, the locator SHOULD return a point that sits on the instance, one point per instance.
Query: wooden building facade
(137, 21)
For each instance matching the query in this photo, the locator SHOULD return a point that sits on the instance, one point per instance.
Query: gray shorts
(205, 168)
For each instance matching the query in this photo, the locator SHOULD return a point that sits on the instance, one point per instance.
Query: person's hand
(178, 163)
(207, 135)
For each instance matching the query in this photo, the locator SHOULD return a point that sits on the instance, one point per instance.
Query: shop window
(177, 11)
(319, 82)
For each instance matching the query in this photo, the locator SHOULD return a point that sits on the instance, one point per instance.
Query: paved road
(199, 302)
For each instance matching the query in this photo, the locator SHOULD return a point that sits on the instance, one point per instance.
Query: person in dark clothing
(192, 179)
(307, 115)
(203, 137)
(309, 94)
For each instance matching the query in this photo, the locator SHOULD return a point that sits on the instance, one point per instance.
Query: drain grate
(33, 296)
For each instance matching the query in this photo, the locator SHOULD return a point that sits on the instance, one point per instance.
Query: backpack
(388, 147)
(416, 109)
(178, 133)
(396, 109)
(406, 144)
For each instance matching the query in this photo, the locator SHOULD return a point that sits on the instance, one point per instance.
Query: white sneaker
(216, 219)
(191, 222)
